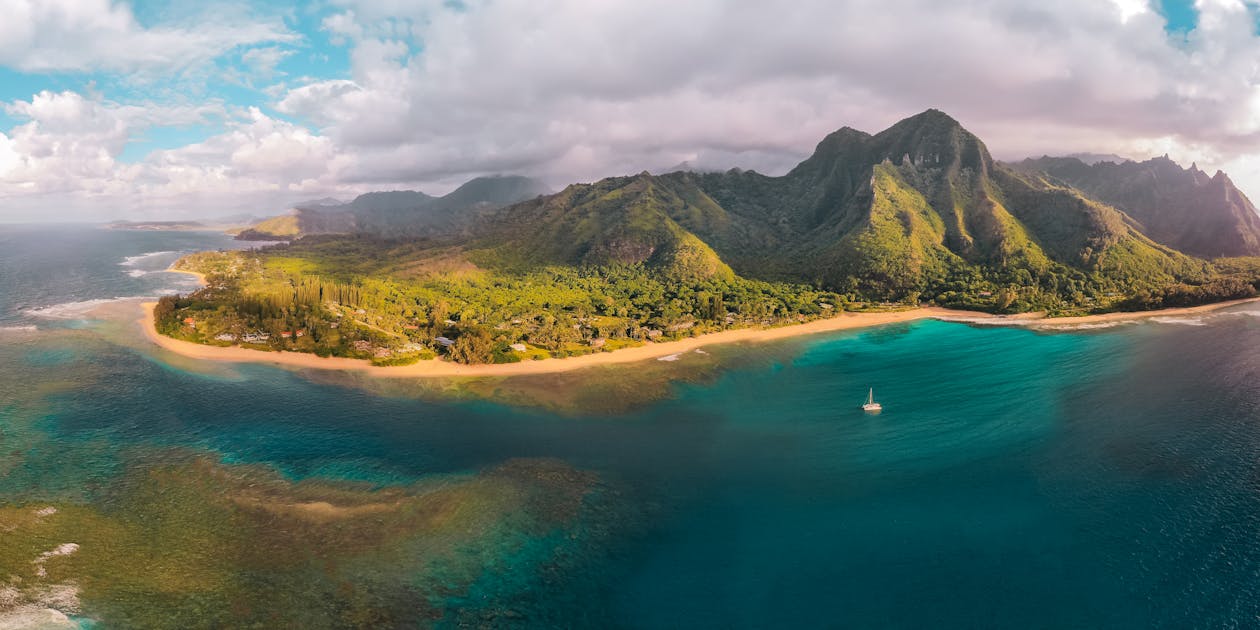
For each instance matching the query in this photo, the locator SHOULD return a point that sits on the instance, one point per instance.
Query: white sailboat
(870, 406)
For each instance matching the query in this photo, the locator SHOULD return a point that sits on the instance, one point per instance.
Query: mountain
(1094, 158)
(624, 220)
(402, 213)
(1181, 208)
(918, 210)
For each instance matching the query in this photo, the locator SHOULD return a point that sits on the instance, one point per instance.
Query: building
(446, 342)
(518, 347)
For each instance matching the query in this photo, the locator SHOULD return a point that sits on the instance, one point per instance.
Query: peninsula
(863, 232)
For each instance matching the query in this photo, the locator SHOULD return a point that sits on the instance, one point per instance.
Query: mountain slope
(626, 221)
(920, 210)
(1181, 208)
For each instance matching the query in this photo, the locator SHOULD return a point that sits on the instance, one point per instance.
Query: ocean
(1097, 477)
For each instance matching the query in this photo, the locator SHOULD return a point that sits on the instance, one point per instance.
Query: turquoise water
(1089, 478)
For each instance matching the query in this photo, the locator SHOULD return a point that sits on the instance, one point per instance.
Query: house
(598, 342)
(410, 327)
(446, 343)
(300, 333)
(286, 335)
(381, 353)
(986, 294)
(190, 322)
(362, 345)
(518, 347)
(654, 334)
(225, 337)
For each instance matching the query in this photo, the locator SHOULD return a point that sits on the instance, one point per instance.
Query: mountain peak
(932, 139)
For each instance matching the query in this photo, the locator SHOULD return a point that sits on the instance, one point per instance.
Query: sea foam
(1181, 321)
(71, 310)
(132, 261)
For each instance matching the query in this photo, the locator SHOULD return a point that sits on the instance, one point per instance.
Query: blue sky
(111, 107)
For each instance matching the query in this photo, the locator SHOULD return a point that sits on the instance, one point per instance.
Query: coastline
(1039, 320)
(201, 277)
(657, 350)
(441, 368)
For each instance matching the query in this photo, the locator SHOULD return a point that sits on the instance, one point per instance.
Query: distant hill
(157, 226)
(1183, 208)
(625, 220)
(404, 213)
(1094, 158)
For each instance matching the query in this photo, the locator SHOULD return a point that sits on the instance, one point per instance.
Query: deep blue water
(1088, 478)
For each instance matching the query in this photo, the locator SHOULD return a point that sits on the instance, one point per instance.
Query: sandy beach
(1039, 320)
(442, 368)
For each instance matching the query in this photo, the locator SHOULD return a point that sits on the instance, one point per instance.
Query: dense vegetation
(919, 213)
(391, 302)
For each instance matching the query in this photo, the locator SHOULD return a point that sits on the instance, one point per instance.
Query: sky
(199, 108)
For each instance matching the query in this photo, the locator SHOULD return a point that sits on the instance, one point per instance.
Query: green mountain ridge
(1184, 209)
(918, 210)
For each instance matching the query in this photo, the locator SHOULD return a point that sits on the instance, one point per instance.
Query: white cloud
(77, 35)
(575, 90)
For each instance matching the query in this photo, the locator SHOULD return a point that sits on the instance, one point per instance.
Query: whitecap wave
(71, 310)
(1181, 321)
(17, 329)
(1088, 326)
(670, 357)
(132, 261)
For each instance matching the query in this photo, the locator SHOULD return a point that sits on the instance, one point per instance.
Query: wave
(1182, 321)
(1089, 326)
(132, 261)
(17, 329)
(71, 310)
(670, 357)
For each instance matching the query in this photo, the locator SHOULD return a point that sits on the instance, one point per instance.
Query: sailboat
(870, 406)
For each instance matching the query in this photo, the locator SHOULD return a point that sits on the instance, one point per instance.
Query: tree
(474, 345)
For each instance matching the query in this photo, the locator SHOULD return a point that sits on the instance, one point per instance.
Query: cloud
(81, 35)
(438, 91)
(578, 88)
(67, 154)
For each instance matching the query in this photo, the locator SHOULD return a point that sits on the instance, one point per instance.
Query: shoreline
(443, 368)
(1039, 320)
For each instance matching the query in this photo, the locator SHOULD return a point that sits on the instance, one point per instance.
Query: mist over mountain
(401, 213)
